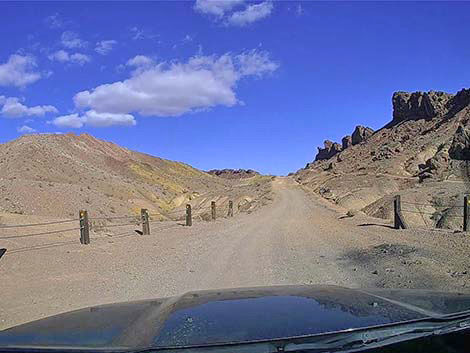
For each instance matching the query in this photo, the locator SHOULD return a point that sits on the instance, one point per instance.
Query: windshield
(309, 160)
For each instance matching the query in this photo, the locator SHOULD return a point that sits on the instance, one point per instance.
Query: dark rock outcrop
(419, 105)
(233, 173)
(361, 133)
(459, 101)
(346, 141)
(331, 148)
(460, 147)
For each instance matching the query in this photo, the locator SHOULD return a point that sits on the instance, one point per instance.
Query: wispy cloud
(250, 14)
(104, 47)
(54, 21)
(216, 8)
(19, 70)
(75, 58)
(25, 129)
(71, 40)
(223, 11)
(140, 34)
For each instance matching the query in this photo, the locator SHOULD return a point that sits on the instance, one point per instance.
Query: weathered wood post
(398, 220)
(144, 216)
(213, 210)
(189, 219)
(465, 213)
(84, 227)
(230, 208)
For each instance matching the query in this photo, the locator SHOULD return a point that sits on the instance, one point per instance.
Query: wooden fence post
(84, 227)
(144, 215)
(213, 210)
(465, 213)
(230, 208)
(189, 219)
(398, 220)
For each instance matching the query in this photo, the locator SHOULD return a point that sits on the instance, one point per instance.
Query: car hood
(232, 316)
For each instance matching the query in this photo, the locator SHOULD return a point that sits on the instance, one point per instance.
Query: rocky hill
(422, 154)
(56, 175)
(234, 173)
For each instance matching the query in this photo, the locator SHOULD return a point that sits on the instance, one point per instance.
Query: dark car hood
(235, 315)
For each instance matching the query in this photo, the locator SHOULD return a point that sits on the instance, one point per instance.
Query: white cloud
(172, 89)
(54, 21)
(92, 118)
(104, 47)
(72, 120)
(63, 56)
(18, 71)
(250, 14)
(139, 61)
(25, 129)
(13, 108)
(79, 59)
(71, 40)
(216, 8)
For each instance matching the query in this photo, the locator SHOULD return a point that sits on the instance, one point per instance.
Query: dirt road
(296, 239)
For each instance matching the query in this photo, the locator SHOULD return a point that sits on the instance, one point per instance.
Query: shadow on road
(39, 247)
(375, 224)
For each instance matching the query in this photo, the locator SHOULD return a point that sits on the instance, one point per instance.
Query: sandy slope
(296, 239)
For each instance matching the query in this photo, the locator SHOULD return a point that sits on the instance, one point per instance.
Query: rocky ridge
(330, 149)
(234, 173)
(423, 153)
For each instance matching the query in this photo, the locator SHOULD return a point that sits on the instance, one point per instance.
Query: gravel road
(296, 239)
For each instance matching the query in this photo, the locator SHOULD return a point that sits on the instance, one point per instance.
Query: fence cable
(38, 224)
(429, 205)
(36, 234)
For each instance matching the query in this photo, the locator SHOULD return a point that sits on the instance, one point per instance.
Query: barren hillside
(56, 175)
(421, 154)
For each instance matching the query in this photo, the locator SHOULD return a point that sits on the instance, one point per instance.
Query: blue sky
(229, 84)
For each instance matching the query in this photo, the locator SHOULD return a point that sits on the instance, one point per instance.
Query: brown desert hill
(421, 154)
(58, 174)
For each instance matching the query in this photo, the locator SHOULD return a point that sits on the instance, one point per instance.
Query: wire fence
(436, 213)
(99, 224)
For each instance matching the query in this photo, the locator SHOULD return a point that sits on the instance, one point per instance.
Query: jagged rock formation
(419, 105)
(361, 134)
(331, 148)
(346, 141)
(423, 153)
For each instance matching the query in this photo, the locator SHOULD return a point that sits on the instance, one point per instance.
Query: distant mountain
(56, 175)
(234, 173)
(422, 153)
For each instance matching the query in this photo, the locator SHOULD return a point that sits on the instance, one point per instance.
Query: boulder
(346, 141)
(331, 148)
(361, 133)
